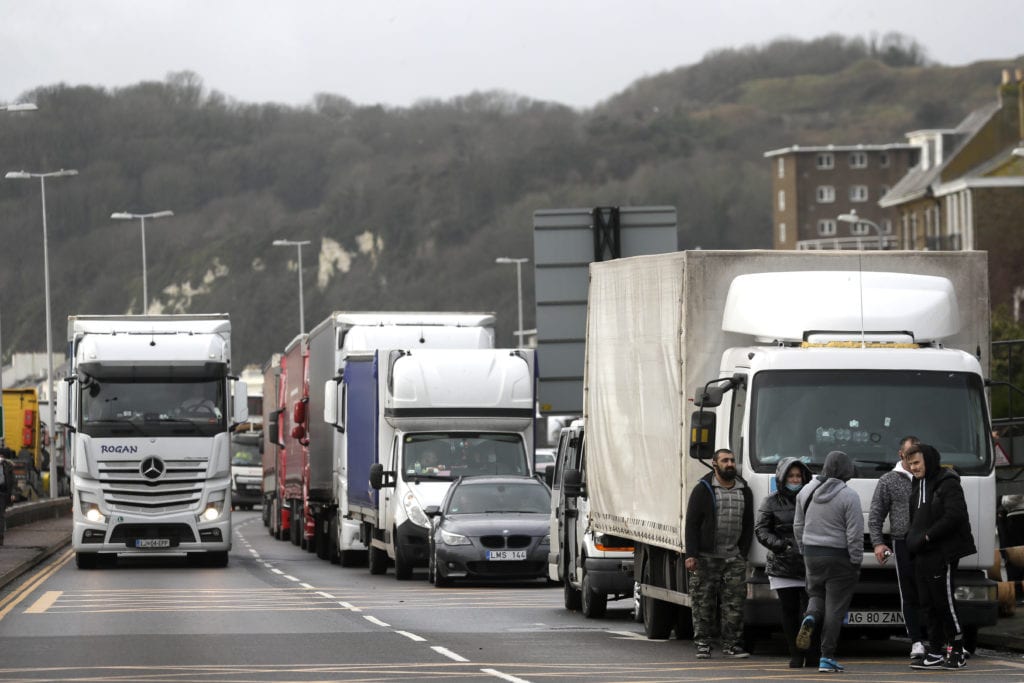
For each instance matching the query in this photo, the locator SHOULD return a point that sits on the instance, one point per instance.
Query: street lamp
(124, 216)
(519, 287)
(298, 246)
(853, 218)
(24, 175)
(26, 106)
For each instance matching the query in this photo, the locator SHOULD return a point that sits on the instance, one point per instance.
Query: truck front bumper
(610, 575)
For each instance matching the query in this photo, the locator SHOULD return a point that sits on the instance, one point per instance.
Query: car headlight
(983, 593)
(453, 539)
(414, 512)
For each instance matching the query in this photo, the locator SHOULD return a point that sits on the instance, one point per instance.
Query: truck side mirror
(63, 414)
(379, 478)
(549, 475)
(240, 409)
(272, 428)
(702, 435)
(334, 404)
(572, 484)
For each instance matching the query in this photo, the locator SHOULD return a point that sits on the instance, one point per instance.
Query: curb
(12, 574)
(1002, 640)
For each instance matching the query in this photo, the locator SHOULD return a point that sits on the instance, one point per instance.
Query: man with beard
(719, 530)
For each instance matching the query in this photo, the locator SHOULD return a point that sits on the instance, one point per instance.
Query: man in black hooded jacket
(939, 535)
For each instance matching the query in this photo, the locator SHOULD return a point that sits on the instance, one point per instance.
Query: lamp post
(124, 216)
(25, 106)
(853, 218)
(24, 175)
(519, 288)
(298, 246)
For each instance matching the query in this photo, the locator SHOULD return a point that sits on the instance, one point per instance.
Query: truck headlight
(214, 507)
(453, 539)
(89, 504)
(414, 512)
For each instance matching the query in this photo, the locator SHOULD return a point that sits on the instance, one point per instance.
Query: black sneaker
(735, 652)
(955, 659)
(703, 650)
(929, 661)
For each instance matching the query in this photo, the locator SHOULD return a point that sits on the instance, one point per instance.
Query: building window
(826, 160)
(858, 193)
(782, 167)
(782, 233)
(886, 225)
(883, 190)
(860, 229)
(782, 200)
(826, 194)
(858, 160)
(826, 227)
(883, 159)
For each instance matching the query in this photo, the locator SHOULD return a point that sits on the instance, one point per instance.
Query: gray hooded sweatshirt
(834, 521)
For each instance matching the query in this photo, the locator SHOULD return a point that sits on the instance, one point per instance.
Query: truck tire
(593, 603)
(322, 539)
(333, 554)
(403, 567)
(87, 560)
(377, 561)
(572, 597)
(295, 528)
(216, 559)
(659, 617)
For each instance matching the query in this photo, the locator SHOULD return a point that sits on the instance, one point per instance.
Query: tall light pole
(853, 218)
(298, 246)
(24, 175)
(125, 216)
(519, 287)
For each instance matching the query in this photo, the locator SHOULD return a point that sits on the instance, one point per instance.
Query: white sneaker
(918, 650)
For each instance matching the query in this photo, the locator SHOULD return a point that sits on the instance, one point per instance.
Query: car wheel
(440, 581)
(593, 603)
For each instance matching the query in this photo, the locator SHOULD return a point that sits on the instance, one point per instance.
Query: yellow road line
(15, 598)
(44, 603)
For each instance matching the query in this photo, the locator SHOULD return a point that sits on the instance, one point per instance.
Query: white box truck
(787, 354)
(149, 404)
(340, 459)
(439, 414)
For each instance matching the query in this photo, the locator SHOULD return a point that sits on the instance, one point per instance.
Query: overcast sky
(396, 52)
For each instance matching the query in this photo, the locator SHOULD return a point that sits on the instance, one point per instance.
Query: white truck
(786, 354)
(149, 404)
(441, 414)
(339, 459)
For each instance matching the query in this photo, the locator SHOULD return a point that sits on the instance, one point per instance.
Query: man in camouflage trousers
(719, 531)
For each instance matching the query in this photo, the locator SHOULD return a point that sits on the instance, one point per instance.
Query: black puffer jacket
(774, 527)
(938, 511)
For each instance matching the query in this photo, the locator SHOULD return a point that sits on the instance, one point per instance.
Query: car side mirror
(432, 510)
(549, 475)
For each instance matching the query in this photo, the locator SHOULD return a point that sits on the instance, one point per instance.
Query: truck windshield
(245, 453)
(152, 407)
(807, 413)
(449, 456)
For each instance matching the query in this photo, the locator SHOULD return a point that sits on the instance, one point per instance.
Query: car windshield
(807, 413)
(528, 497)
(449, 456)
(152, 407)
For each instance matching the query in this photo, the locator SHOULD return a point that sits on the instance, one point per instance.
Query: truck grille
(171, 485)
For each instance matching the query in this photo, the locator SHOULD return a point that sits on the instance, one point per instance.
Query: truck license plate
(506, 554)
(874, 618)
(152, 543)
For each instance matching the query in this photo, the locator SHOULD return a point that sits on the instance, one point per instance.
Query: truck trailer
(776, 354)
(149, 404)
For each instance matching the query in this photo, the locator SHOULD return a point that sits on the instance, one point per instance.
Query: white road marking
(446, 652)
(306, 586)
(326, 595)
(291, 578)
(504, 677)
(350, 606)
(375, 620)
(276, 570)
(627, 635)
(411, 636)
(44, 603)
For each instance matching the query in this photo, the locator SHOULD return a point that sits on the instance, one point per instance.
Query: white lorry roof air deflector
(786, 306)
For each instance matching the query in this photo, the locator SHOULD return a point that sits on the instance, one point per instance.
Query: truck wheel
(659, 617)
(593, 603)
(87, 560)
(332, 540)
(295, 528)
(377, 561)
(572, 597)
(322, 540)
(217, 559)
(403, 567)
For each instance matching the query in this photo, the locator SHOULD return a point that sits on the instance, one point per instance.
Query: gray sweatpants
(830, 584)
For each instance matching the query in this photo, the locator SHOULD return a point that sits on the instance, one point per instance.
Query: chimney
(1011, 104)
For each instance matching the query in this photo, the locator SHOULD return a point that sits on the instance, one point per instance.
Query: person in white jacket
(829, 531)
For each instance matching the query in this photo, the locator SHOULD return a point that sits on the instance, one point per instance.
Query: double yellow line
(11, 601)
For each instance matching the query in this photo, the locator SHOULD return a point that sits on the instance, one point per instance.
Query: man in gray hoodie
(892, 500)
(829, 531)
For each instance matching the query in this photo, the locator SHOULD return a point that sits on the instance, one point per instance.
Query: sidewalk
(35, 531)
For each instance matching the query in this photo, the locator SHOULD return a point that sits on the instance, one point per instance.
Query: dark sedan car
(489, 528)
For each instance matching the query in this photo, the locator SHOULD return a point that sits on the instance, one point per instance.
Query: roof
(796, 149)
(917, 182)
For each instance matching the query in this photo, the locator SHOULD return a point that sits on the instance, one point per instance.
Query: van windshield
(448, 456)
(152, 407)
(807, 413)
